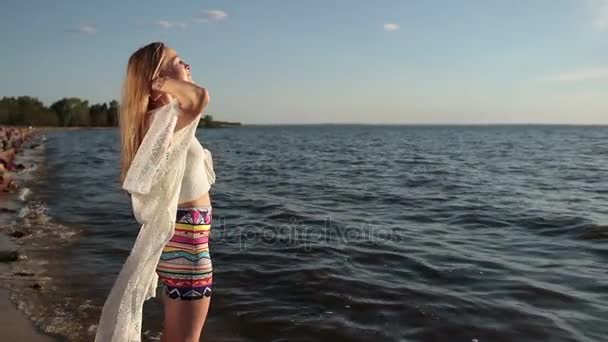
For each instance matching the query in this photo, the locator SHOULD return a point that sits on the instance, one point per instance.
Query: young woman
(165, 169)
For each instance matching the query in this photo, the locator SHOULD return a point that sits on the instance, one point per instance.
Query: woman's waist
(203, 200)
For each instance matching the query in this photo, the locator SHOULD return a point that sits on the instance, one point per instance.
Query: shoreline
(14, 323)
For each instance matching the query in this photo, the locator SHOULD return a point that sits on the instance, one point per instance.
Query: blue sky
(287, 61)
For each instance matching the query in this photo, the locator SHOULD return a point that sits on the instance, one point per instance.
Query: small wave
(594, 232)
(34, 212)
(33, 222)
(31, 169)
(39, 239)
(24, 193)
(472, 219)
(152, 335)
(547, 225)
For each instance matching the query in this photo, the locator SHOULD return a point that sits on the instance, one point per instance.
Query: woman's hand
(157, 96)
(160, 98)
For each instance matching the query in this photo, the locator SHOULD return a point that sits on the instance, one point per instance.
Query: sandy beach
(14, 325)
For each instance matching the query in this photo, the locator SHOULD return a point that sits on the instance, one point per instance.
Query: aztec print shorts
(184, 267)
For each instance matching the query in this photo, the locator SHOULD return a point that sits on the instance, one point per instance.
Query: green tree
(72, 112)
(98, 114)
(8, 110)
(112, 114)
(25, 110)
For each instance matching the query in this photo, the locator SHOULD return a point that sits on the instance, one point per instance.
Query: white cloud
(579, 75)
(84, 29)
(88, 29)
(389, 27)
(168, 24)
(164, 24)
(599, 8)
(211, 15)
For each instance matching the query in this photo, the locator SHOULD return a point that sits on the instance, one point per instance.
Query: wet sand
(14, 325)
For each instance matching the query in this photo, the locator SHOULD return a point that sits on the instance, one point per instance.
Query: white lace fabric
(199, 175)
(153, 181)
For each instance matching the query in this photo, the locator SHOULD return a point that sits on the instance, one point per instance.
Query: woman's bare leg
(184, 319)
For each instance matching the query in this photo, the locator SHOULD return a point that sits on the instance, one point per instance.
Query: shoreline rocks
(12, 140)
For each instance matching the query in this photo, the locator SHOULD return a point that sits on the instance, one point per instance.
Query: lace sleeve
(155, 157)
(153, 149)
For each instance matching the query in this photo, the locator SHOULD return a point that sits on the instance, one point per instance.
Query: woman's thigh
(185, 318)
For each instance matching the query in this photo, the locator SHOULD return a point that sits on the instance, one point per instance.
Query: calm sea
(348, 233)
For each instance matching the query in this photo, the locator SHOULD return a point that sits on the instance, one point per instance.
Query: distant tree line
(26, 111)
(72, 111)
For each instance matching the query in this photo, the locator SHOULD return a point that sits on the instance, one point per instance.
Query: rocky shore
(14, 324)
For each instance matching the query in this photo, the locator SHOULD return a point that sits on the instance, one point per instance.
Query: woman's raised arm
(192, 98)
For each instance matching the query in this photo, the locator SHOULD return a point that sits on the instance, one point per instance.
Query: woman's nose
(187, 66)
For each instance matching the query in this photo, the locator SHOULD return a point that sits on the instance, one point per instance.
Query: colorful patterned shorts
(184, 267)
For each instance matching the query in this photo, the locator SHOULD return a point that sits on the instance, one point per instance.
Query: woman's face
(175, 67)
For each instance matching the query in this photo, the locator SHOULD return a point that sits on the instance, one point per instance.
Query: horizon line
(428, 124)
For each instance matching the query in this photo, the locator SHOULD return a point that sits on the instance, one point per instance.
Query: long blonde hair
(144, 65)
